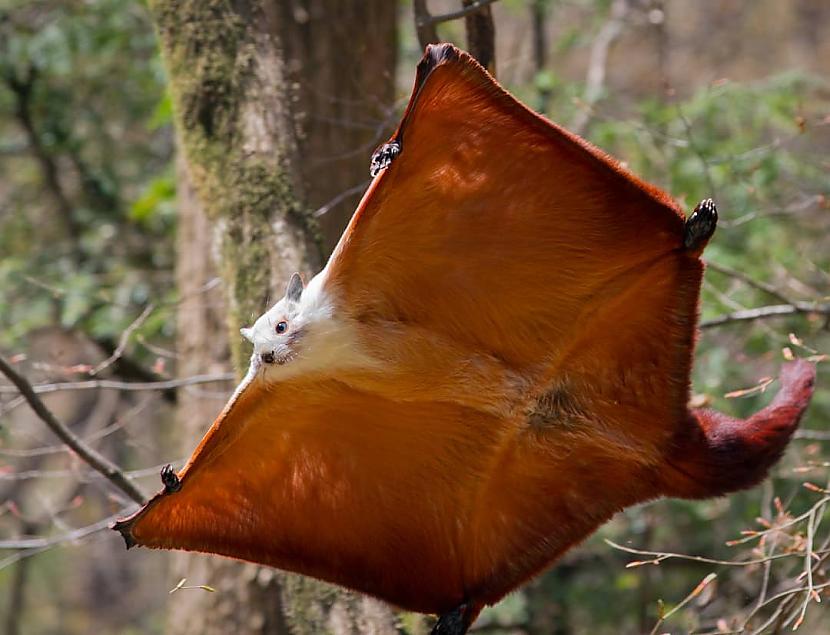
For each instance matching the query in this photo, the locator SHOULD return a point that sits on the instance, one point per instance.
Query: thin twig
(695, 592)
(154, 348)
(763, 312)
(85, 477)
(95, 460)
(808, 569)
(75, 534)
(129, 386)
(788, 595)
(124, 339)
(598, 63)
(324, 209)
(704, 162)
(755, 535)
(752, 282)
(116, 425)
(478, 5)
(20, 554)
(812, 435)
(660, 556)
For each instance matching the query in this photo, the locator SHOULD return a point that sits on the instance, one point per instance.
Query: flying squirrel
(495, 360)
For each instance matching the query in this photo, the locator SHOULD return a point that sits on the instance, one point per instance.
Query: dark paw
(383, 156)
(701, 224)
(456, 622)
(170, 480)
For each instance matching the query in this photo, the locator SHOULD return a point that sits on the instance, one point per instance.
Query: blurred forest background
(164, 166)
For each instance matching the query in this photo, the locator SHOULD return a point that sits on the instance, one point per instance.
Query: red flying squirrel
(494, 361)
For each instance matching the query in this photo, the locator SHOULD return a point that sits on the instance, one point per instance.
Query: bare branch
(85, 477)
(76, 535)
(165, 386)
(694, 593)
(97, 461)
(752, 282)
(104, 432)
(325, 209)
(129, 386)
(474, 7)
(787, 609)
(70, 536)
(424, 26)
(479, 26)
(656, 557)
(17, 597)
(124, 340)
(763, 312)
(812, 435)
(790, 595)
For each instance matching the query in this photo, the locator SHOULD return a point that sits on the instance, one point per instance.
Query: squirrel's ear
(295, 288)
(248, 334)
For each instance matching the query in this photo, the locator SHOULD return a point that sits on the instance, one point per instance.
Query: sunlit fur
(494, 362)
(324, 338)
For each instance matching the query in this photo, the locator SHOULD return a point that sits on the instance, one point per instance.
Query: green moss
(248, 207)
(209, 52)
(208, 55)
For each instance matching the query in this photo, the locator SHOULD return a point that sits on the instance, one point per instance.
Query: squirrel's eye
(282, 327)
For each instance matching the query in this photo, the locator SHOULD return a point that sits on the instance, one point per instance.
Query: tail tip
(799, 373)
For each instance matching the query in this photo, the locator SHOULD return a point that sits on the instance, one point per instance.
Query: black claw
(434, 56)
(170, 480)
(384, 156)
(456, 622)
(701, 224)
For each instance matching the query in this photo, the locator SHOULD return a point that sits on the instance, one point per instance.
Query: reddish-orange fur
(534, 309)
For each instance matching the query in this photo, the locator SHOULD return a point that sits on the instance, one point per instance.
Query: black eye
(282, 327)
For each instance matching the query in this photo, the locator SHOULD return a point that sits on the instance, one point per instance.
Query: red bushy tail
(717, 454)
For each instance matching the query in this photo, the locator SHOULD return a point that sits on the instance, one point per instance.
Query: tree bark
(481, 36)
(245, 123)
(341, 57)
(424, 27)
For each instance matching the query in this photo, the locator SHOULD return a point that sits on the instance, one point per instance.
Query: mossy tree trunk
(245, 120)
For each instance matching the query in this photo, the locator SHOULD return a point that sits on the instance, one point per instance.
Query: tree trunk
(341, 56)
(243, 119)
(481, 35)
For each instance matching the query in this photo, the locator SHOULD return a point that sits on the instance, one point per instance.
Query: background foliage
(721, 99)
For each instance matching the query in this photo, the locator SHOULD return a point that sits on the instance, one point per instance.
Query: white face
(301, 334)
(276, 333)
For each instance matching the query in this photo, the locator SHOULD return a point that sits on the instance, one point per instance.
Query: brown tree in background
(279, 106)
(266, 123)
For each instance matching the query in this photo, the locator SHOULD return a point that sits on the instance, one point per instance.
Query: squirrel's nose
(267, 358)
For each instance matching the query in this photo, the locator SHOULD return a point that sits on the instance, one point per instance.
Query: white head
(300, 333)
(276, 334)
